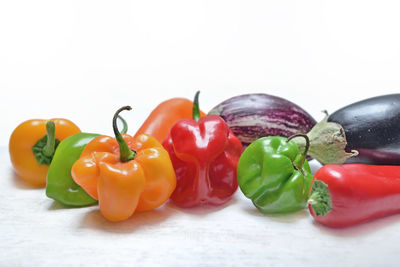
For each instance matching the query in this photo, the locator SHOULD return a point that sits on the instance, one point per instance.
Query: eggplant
(252, 116)
(366, 132)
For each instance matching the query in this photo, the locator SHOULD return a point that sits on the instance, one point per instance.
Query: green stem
(50, 147)
(124, 125)
(126, 154)
(196, 108)
(304, 154)
(320, 199)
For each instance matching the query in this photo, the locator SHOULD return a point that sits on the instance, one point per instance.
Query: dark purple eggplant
(365, 132)
(252, 116)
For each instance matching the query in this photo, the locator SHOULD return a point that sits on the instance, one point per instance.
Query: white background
(84, 59)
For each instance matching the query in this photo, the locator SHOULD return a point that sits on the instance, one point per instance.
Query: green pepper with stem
(275, 175)
(60, 186)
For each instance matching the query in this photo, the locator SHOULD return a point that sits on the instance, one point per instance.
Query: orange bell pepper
(32, 145)
(165, 115)
(125, 174)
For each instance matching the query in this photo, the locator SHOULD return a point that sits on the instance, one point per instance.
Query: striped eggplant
(252, 116)
(366, 132)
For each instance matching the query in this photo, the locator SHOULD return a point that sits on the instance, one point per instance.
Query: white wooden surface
(35, 231)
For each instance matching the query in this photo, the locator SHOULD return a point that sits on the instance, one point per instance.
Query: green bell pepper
(274, 175)
(59, 185)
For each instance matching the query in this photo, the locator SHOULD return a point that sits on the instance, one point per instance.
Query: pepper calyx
(320, 199)
(45, 147)
(327, 143)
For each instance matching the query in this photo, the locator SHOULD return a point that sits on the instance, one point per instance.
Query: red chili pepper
(204, 154)
(346, 195)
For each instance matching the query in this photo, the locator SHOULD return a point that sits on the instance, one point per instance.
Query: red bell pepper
(204, 153)
(350, 194)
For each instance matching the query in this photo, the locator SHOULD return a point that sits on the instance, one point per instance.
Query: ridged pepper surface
(204, 153)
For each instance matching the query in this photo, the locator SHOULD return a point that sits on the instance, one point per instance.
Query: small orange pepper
(125, 174)
(165, 115)
(32, 145)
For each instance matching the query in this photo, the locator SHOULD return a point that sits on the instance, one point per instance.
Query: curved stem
(196, 108)
(124, 125)
(126, 154)
(304, 154)
(50, 147)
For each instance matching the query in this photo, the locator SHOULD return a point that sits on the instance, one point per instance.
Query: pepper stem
(304, 154)
(50, 147)
(196, 108)
(126, 154)
(45, 147)
(124, 125)
(320, 199)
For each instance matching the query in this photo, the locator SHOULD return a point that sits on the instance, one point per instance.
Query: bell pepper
(164, 116)
(125, 174)
(274, 175)
(204, 153)
(60, 186)
(351, 194)
(32, 145)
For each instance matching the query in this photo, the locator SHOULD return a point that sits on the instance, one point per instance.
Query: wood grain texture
(35, 231)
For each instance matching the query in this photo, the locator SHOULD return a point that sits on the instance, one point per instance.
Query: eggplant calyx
(327, 143)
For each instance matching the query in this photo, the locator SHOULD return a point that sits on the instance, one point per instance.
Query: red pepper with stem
(346, 195)
(204, 153)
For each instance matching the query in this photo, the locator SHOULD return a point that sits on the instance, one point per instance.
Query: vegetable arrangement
(194, 159)
(59, 185)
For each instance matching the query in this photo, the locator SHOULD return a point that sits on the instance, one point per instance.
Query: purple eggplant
(252, 116)
(364, 132)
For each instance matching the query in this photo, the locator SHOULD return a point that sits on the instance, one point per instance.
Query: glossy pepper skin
(32, 145)
(274, 175)
(164, 116)
(204, 154)
(60, 186)
(351, 194)
(125, 174)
